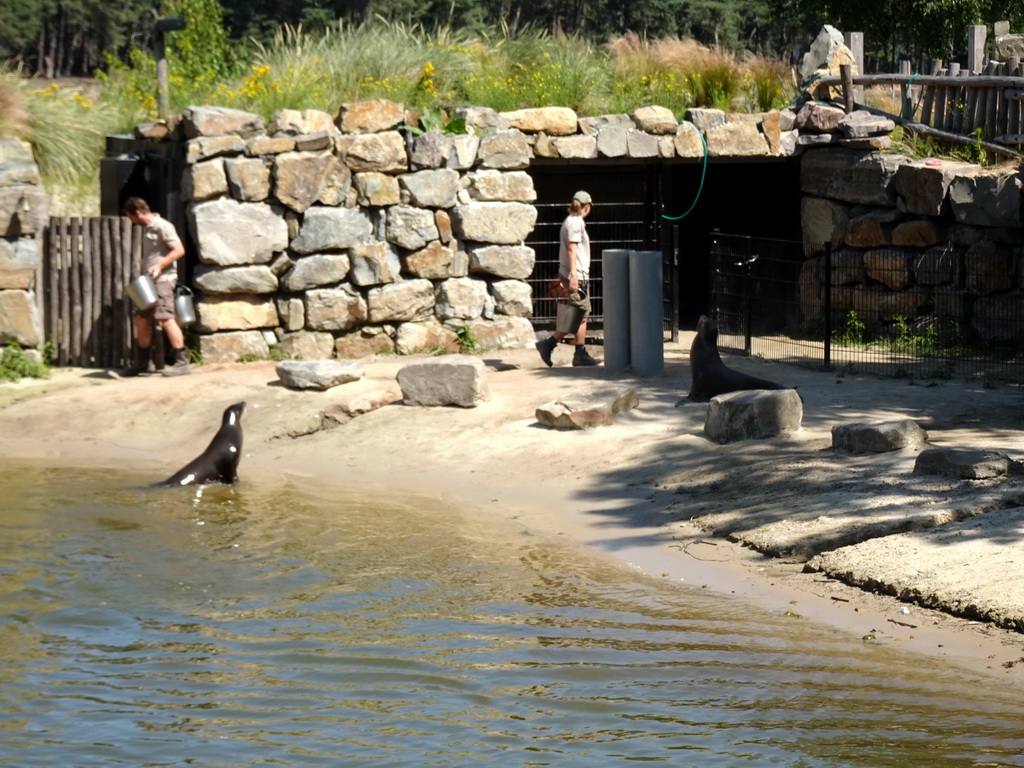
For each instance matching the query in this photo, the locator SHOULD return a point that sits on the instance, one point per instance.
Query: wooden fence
(86, 313)
(953, 104)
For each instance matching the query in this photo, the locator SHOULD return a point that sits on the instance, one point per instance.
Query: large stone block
(589, 408)
(382, 152)
(235, 313)
(374, 264)
(448, 380)
(575, 147)
(504, 150)
(923, 188)
(432, 262)
(304, 178)
(988, 198)
(823, 221)
(307, 345)
(334, 309)
(431, 188)
(878, 436)
(502, 332)
(502, 223)
(248, 178)
(554, 121)
(24, 211)
(512, 297)
(318, 374)
(251, 279)
(966, 463)
(330, 229)
(19, 319)
(410, 228)
(407, 301)
(753, 415)
(852, 176)
(17, 166)
(496, 186)
(655, 119)
(376, 189)
(205, 180)
(19, 259)
(220, 121)
(737, 140)
(295, 122)
(370, 116)
(366, 342)
(510, 261)
(229, 233)
(228, 347)
(316, 270)
(461, 298)
(424, 337)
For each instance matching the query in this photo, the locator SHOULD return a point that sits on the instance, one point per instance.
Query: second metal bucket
(184, 309)
(142, 292)
(568, 318)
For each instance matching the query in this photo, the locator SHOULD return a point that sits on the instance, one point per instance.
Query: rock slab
(317, 374)
(589, 408)
(966, 463)
(446, 380)
(753, 414)
(878, 436)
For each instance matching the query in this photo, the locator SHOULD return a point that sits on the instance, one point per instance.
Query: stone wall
(346, 236)
(24, 214)
(938, 243)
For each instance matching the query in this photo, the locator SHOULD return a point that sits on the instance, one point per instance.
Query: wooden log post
(846, 73)
(855, 42)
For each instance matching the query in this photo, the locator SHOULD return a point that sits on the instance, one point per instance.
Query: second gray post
(615, 266)
(646, 327)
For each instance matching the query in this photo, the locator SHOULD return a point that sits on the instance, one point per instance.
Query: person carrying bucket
(161, 249)
(574, 274)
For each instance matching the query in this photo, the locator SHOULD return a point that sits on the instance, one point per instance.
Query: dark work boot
(545, 348)
(180, 366)
(581, 358)
(143, 362)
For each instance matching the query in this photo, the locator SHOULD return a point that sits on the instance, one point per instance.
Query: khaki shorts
(164, 307)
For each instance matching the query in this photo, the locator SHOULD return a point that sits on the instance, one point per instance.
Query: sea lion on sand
(710, 376)
(219, 462)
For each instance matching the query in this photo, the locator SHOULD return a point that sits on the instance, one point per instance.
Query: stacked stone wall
(24, 214)
(348, 235)
(936, 243)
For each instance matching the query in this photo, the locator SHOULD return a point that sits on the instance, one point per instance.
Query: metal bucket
(142, 292)
(568, 318)
(184, 310)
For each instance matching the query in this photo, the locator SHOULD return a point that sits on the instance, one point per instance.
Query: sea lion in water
(710, 376)
(219, 462)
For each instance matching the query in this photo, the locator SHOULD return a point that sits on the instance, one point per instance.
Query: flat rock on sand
(928, 567)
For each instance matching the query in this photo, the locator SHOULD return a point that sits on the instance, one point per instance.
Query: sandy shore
(651, 489)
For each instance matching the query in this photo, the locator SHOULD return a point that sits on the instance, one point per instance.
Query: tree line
(63, 38)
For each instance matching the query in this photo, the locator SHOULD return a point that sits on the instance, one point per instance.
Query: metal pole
(646, 327)
(828, 306)
(675, 283)
(615, 263)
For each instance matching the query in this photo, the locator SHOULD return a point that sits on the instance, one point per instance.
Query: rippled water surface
(277, 626)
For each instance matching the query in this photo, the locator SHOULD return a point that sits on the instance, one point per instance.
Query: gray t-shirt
(574, 230)
(158, 238)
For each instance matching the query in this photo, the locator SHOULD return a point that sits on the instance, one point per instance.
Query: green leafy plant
(468, 342)
(853, 332)
(15, 365)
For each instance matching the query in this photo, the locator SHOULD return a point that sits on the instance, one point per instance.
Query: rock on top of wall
(220, 121)
(231, 233)
(382, 152)
(554, 121)
(988, 197)
(294, 122)
(495, 186)
(923, 187)
(655, 119)
(850, 175)
(370, 116)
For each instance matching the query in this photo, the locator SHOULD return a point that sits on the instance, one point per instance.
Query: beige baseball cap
(583, 197)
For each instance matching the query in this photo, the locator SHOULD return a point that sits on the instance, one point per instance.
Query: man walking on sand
(574, 273)
(161, 249)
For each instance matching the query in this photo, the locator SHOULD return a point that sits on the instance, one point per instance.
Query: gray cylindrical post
(646, 329)
(615, 266)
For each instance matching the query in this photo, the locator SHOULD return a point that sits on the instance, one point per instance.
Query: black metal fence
(939, 312)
